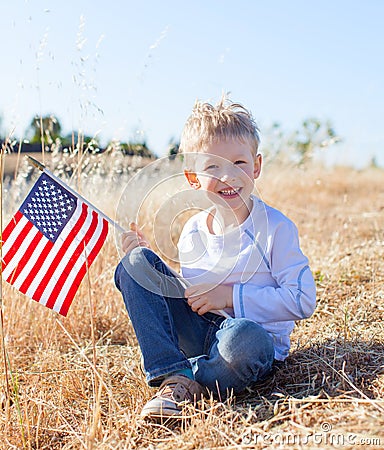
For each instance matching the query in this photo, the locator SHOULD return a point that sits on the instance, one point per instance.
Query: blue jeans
(224, 354)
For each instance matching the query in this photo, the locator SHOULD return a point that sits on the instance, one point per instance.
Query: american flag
(50, 243)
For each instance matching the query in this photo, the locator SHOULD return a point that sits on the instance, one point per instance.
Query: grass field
(75, 382)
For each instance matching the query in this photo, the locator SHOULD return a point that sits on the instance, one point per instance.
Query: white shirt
(262, 260)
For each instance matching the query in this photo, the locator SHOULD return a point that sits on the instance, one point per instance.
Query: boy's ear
(257, 166)
(192, 179)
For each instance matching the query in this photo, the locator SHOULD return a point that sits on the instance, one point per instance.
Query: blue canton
(49, 207)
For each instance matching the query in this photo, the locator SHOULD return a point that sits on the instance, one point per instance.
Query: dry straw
(5, 396)
(79, 383)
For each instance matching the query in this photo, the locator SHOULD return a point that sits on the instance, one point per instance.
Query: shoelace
(176, 391)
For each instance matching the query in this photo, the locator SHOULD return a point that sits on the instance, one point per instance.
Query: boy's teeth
(229, 191)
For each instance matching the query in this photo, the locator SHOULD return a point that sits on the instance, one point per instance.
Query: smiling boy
(248, 280)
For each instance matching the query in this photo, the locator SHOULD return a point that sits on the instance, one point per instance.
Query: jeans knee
(246, 340)
(139, 256)
(132, 263)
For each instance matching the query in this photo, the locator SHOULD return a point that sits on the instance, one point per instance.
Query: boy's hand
(205, 297)
(133, 238)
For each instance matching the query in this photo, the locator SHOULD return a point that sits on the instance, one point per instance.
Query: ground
(75, 382)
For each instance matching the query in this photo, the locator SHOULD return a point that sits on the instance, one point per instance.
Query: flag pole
(120, 229)
(42, 167)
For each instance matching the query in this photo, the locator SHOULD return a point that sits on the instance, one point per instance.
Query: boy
(247, 279)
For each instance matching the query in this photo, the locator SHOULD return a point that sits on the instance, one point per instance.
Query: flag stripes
(50, 271)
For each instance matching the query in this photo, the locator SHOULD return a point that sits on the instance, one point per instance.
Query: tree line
(46, 131)
(299, 145)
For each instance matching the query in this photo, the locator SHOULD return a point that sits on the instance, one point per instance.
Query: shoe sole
(163, 414)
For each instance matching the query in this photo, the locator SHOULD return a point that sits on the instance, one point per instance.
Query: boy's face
(226, 171)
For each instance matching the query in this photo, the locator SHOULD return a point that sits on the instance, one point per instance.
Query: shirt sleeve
(294, 295)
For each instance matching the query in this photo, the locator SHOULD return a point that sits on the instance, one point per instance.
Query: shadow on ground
(332, 368)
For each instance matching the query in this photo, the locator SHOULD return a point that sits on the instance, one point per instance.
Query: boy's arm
(293, 298)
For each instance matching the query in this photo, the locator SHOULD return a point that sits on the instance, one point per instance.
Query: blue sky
(129, 69)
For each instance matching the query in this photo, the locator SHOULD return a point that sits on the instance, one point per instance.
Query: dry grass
(76, 382)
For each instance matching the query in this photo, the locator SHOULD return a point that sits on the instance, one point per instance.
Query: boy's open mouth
(230, 192)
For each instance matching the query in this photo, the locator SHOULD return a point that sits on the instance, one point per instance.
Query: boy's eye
(238, 162)
(211, 167)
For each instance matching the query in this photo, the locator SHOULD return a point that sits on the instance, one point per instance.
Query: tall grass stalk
(7, 397)
(89, 362)
(6, 361)
(42, 139)
(16, 400)
(97, 385)
(18, 159)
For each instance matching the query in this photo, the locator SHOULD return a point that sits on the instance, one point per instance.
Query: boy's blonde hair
(226, 120)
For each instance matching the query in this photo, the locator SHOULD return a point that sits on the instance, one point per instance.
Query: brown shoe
(174, 392)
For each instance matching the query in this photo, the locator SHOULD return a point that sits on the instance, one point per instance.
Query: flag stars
(49, 207)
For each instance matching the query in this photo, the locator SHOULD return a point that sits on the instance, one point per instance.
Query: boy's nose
(227, 177)
(224, 178)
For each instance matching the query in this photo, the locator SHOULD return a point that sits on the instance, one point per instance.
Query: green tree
(173, 148)
(45, 129)
(76, 140)
(136, 149)
(131, 148)
(313, 134)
